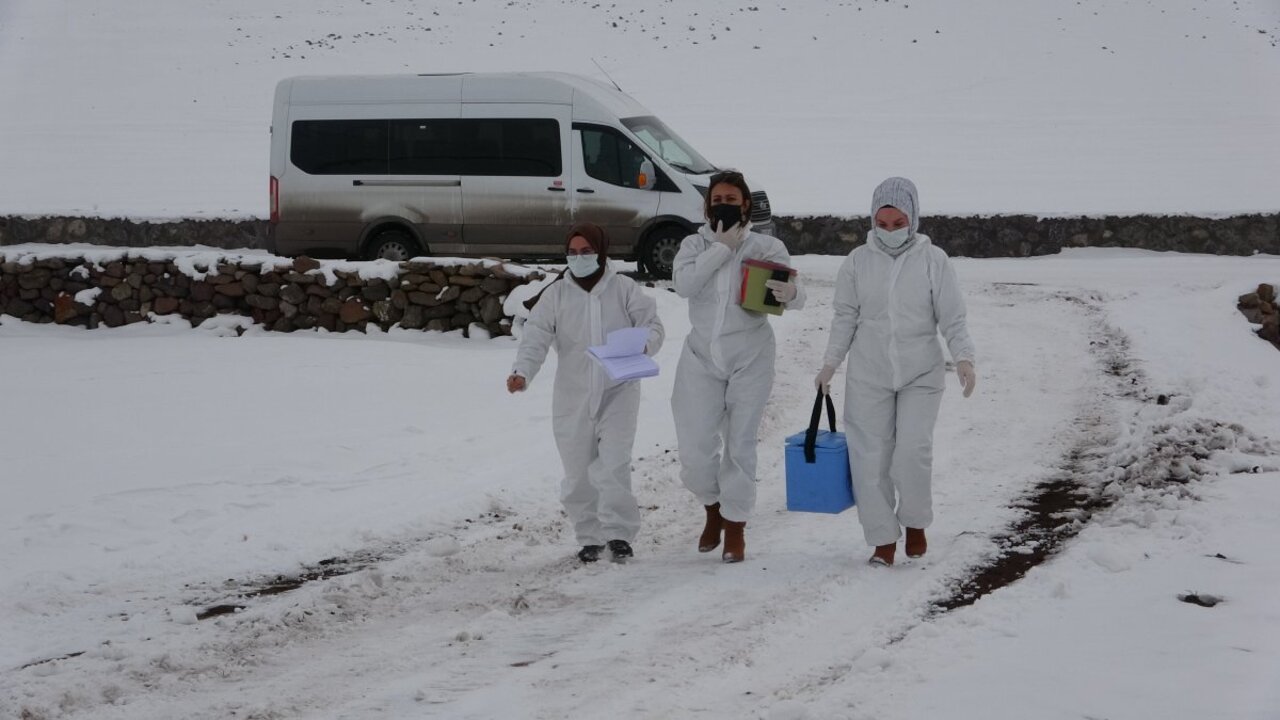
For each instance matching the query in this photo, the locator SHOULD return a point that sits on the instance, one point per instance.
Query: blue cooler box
(826, 484)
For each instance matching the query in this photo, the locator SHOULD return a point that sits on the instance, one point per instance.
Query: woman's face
(726, 194)
(578, 245)
(891, 218)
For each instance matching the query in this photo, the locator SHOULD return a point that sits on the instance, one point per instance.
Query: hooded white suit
(593, 418)
(888, 311)
(725, 372)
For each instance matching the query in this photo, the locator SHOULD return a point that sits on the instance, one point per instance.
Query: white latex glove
(784, 291)
(968, 378)
(732, 237)
(823, 380)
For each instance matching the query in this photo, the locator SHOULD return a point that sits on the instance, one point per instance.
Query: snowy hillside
(159, 108)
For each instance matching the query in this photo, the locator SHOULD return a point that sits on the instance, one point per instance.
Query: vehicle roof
(591, 99)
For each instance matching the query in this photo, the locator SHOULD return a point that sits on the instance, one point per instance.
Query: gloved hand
(823, 380)
(784, 291)
(516, 383)
(968, 378)
(732, 237)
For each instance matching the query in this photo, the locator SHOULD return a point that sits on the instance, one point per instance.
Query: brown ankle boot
(916, 544)
(735, 545)
(883, 555)
(710, 539)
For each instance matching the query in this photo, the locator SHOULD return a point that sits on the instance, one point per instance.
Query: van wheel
(659, 254)
(394, 245)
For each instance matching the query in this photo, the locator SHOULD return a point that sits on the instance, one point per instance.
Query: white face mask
(894, 238)
(583, 265)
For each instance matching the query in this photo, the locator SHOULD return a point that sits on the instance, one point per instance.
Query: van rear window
(438, 146)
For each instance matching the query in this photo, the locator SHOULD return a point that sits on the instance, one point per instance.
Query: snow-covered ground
(157, 108)
(150, 472)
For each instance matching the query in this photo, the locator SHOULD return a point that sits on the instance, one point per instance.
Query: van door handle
(585, 190)
(556, 189)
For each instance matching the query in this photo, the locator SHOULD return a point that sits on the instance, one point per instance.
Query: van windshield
(662, 140)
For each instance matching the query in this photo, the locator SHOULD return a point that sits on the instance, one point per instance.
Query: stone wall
(1026, 235)
(123, 232)
(972, 236)
(278, 294)
(1261, 308)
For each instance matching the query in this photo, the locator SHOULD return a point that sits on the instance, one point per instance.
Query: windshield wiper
(684, 168)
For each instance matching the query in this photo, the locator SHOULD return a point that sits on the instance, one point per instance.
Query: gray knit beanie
(901, 193)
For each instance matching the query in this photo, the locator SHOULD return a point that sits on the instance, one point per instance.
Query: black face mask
(725, 217)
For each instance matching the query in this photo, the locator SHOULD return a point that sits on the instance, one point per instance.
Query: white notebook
(622, 355)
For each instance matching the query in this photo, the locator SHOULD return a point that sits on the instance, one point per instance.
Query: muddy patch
(1159, 448)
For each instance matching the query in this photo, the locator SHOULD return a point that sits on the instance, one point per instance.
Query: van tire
(395, 245)
(658, 251)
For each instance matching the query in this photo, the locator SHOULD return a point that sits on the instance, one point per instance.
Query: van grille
(760, 210)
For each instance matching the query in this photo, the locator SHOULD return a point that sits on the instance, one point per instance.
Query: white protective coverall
(888, 311)
(725, 372)
(593, 418)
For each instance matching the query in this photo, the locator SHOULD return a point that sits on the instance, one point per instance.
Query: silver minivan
(479, 165)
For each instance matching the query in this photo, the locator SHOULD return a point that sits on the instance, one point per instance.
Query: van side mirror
(646, 178)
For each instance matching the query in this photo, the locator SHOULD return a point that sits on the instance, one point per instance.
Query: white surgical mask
(583, 265)
(894, 238)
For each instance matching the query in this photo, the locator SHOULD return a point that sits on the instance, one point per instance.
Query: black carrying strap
(811, 435)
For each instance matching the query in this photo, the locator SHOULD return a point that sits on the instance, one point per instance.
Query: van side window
(500, 146)
(610, 157)
(340, 147)
(520, 147)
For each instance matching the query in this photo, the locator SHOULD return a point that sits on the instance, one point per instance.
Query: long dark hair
(727, 177)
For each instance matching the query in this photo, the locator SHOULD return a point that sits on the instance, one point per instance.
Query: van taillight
(275, 200)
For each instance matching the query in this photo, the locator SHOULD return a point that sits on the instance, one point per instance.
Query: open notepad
(622, 354)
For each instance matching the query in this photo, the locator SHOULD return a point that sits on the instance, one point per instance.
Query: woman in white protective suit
(593, 418)
(726, 368)
(892, 296)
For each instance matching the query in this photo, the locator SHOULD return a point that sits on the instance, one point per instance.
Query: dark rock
(490, 309)
(121, 292)
(399, 299)
(112, 316)
(438, 312)
(262, 302)
(201, 292)
(331, 306)
(354, 311)
(1267, 293)
(495, 286)
(472, 295)
(304, 264)
(293, 294)
(232, 289)
(438, 325)
(376, 290)
(287, 309)
(421, 298)
(412, 318)
(34, 279)
(64, 308)
(166, 305)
